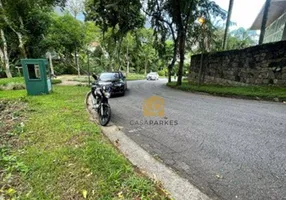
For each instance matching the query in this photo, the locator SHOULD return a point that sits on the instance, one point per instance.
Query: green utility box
(37, 76)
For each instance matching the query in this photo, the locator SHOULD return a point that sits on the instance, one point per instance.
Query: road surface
(228, 148)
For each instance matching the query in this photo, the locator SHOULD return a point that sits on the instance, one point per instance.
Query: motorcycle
(100, 96)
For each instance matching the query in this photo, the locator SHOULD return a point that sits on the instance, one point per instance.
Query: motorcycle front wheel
(104, 114)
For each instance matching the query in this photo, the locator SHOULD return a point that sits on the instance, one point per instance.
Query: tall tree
(183, 14)
(18, 17)
(121, 16)
(227, 24)
(264, 21)
(66, 35)
(164, 28)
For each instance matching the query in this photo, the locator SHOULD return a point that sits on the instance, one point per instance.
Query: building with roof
(276, 20)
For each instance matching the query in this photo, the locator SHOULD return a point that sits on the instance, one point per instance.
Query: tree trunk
(146, 63)
(21, 45)
(127, 57)
(264, 21)
(169, 74)
(19, 35)
(171, 65)
(76, 62)
(20, 38)
(118, 54)
(51, 64)
(182, 40)
(227, 24)
(201, 68)
(5, 55)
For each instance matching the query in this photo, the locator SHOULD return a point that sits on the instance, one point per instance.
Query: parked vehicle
(152, 76)
(100, 95)
(115, 82)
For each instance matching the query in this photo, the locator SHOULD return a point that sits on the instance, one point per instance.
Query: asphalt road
(228, 148)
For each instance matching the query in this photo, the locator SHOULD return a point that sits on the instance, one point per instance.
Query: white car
(152, 76)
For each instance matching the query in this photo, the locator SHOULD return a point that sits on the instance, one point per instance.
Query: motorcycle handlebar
(94, 76)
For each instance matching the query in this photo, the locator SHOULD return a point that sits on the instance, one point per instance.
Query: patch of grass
(13, 86)
(253, 92)
(66, 155)
(18, 83)
(5, 81)
(56, 81)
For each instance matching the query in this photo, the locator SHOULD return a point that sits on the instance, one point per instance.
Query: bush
(163, 72)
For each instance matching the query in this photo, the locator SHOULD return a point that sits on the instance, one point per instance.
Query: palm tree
(264, 21)
(227, 23)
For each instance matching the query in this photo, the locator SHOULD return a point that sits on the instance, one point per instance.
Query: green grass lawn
(64, 155)
(17, 83)
(5, 81)
(253, 92)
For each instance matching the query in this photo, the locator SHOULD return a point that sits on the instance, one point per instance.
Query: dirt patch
(69, 80)
(12, 115)
(11, 120)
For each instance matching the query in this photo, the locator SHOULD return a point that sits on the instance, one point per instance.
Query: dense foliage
(113, 35)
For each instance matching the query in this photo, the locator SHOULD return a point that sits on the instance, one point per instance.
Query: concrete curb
(178, 187)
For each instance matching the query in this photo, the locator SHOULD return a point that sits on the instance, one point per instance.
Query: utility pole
(227, 24)
(264, 21)
(127, 56)
(202, 20)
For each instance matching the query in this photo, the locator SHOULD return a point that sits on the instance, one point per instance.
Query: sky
(244, 12)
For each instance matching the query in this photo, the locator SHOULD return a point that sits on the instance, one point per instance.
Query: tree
(121, 16)
(75, 7)
(16, 17)
(4, 54)
(241, 38)
(66, 36)
(164, 28)
(264, 21)
(227, 23)
(181, 16)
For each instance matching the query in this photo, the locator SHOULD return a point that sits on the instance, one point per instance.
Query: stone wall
(259, 65)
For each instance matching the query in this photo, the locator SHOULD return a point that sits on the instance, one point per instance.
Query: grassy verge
(17, 83)
(252, 92)
(65, 156)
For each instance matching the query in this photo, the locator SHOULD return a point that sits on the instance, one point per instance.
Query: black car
(115, 82)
